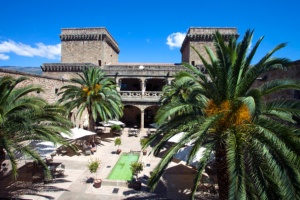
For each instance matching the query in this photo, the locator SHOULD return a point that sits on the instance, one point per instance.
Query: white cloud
(3, 57)
(175, 40)
(41, 50)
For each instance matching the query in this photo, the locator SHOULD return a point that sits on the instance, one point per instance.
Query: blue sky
(29, 30)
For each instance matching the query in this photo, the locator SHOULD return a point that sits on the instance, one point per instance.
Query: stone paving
(74, 185)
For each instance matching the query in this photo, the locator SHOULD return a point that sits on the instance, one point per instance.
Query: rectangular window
(99, 62)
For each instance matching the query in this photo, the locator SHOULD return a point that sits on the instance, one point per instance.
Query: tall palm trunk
(222, 172)
(91, 121)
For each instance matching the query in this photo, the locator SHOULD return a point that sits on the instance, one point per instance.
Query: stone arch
(155, 84)
(149, 114)
(130, 84)
(132, 116)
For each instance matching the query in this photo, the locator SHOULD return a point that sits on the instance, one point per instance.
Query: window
(193, 63)
(99, 62)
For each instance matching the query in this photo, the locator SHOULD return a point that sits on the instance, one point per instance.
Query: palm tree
(92, 92)
(25, 117)
(255, 141)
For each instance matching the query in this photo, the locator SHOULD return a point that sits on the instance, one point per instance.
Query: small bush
(136, 167)
(93, 165)
(118, 142)
(143, 141)
(115, 127)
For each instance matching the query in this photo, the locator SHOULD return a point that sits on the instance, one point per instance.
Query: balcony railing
(153, 95)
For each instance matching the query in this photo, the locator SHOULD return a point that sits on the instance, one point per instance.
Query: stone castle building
(140, 84)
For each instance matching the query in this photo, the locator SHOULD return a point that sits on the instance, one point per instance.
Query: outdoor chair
(87, 152)
(60, 170)
(137, 132)
(98, 140)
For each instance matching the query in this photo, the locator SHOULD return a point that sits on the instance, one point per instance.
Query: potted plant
(136, 167)
(143, 142)
(115, 128)
(118, 142)
(93, 166)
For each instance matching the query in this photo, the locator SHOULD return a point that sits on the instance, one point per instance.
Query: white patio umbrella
(77, 133)
(86, 122)
(116, 122)
(176, 138)
(184, 152)
(43, 148)
(112, 122)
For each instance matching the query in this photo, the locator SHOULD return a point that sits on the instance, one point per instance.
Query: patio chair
(98, 140)
(87, 152)
(60, 170)
(137, 132)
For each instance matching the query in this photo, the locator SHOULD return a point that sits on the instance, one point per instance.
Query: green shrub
(118, 142)
(93, 165)
(143, 141)
(115, 127)
(136, 167)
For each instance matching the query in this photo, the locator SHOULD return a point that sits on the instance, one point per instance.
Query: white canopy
(77, 133)
(112, 122)
(44, 148)
(176, 138)
(184, 152)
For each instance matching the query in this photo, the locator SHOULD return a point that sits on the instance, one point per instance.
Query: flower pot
(97, 183)
(144, 152)
(119, 151)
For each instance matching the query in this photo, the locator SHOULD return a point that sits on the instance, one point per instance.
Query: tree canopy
(24, 117)
(255, 141)
(91, 91)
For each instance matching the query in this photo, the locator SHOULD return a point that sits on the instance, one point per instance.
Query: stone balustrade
(139, 94)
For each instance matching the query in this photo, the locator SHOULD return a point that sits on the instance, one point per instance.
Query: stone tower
(88, 45)
(198, 38)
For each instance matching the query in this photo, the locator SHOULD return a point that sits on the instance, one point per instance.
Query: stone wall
(193, 56)
(50, 85)
(292, 73)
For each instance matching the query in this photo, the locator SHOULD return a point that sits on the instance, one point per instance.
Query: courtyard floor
(75, 182)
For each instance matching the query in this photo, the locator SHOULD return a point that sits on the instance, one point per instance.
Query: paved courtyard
(75, 184)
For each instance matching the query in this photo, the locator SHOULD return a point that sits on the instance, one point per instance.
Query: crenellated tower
(199, 38)
(88, 45)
